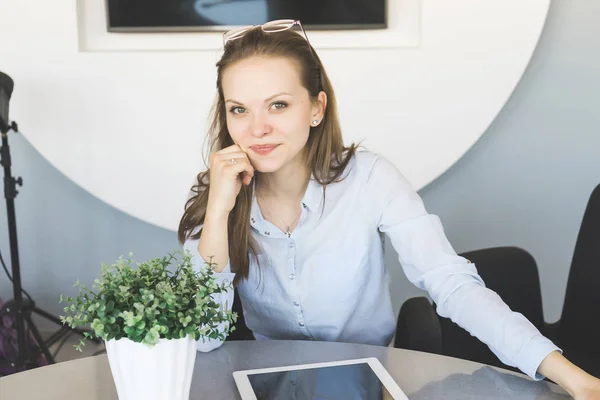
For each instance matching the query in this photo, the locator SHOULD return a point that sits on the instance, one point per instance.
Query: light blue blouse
(328, 281)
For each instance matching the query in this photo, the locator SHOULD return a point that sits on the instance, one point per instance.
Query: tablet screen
(344, 382)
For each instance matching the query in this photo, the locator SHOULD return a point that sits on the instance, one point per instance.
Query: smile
(263, 150)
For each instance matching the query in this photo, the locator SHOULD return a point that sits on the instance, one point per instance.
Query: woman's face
(269, 112)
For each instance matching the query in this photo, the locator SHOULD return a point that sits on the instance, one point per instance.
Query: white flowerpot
(161, 372)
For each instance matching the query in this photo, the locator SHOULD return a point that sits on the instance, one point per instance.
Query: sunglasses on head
(269, 27)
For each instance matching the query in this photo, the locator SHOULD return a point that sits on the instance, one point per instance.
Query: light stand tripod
(21, 309)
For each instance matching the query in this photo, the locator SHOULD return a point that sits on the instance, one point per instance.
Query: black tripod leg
(57, 321)
(47, 315)
(39, 340)
(56, 336)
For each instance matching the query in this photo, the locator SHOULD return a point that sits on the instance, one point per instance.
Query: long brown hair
(325, 151)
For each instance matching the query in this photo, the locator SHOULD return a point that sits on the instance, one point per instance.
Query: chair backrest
(241, 331)
(512, 273)
(418, 327)
(580, 321)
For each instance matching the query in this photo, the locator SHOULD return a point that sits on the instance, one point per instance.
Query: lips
(263, 149)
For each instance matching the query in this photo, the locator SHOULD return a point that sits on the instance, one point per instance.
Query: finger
(246, 179)
(235, 169)
(233, 160)
(222, 160)
(231, 149)
(229, 156)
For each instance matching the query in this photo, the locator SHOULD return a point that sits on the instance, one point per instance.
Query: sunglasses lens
(269, 27)
(235, 33)
(279, 25)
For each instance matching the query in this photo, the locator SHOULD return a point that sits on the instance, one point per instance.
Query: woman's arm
(213, 244)
(230, 168)
(430, 263)
(225, 299)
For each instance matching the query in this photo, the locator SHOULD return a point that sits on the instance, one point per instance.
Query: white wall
(124, 116)
(525, 182)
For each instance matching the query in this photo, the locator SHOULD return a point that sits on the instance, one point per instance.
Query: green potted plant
(150, 318)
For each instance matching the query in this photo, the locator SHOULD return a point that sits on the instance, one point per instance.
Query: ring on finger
(233, 161)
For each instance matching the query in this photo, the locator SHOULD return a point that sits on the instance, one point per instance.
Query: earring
(315, 122)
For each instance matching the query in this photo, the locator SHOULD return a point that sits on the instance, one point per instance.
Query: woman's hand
(229, 168)
(579, 384)
(589, 390)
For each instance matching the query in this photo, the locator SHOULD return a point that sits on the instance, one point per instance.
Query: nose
(260, 125)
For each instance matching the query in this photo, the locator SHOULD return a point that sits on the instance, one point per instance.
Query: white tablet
(359, 379)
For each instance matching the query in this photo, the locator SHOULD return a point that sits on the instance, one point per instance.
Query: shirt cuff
(206, 345)
(198, 262)
(535, 351)
(225, 299)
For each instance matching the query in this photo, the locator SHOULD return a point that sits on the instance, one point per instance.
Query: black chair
(420, 328)
(578, 331)
(241, 331)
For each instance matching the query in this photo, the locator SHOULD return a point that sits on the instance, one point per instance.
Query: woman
(299, 218)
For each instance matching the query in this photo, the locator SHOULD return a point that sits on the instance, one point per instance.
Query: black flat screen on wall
(218, 15)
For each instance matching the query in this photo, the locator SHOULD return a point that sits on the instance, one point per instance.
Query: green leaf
(189, 330)
(161, 297)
